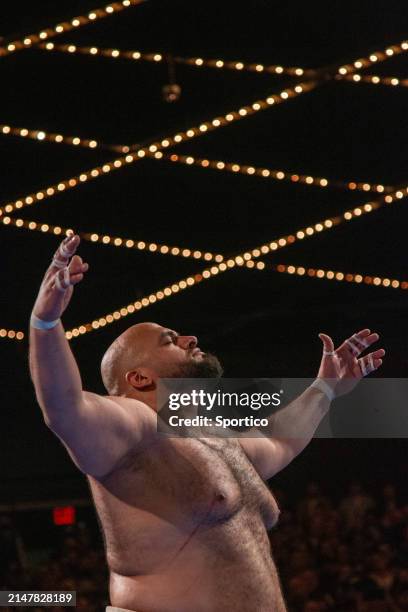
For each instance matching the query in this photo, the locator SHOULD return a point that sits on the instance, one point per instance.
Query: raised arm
(291, 429)
(97, 431)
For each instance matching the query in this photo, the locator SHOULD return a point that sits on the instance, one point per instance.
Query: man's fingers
(328, 346)
(371, 362)
(358, 342)
(77, 265)
(64, 252)
(70, 275)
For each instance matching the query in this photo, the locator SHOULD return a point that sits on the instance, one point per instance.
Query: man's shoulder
(134, 406)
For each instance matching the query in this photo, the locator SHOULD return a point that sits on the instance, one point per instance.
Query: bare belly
(185, 526)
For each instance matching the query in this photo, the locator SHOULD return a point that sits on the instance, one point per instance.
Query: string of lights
(329, 223)
(116, 241)
(169, 141)
(61, 28)
(198, 62)
(375, 281)
(374, 58)
(373, 79)
(280, 175)
(42, 135)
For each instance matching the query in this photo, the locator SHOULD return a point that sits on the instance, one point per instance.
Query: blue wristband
(40, 324)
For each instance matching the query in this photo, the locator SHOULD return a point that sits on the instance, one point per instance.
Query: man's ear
(140, 379)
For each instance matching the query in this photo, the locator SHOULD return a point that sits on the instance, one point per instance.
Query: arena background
(259, 322)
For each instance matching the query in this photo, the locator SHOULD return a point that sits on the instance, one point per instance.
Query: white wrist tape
(40, 324)
(322, 385)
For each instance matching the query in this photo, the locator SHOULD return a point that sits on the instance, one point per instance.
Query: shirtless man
(185, 520)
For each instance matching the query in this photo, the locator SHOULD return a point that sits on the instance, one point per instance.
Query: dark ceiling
(259, 322)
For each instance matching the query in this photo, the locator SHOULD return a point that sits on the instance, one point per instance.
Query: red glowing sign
(64, 515)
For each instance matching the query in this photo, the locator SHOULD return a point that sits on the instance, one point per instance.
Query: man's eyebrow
(168, 333)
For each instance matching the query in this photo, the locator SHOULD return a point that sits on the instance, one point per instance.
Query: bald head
(146, 352)
(130, 350)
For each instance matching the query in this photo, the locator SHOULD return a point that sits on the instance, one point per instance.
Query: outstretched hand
(343, 368)
(65, 271)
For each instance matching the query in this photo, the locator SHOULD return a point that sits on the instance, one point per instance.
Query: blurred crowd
(348, 554)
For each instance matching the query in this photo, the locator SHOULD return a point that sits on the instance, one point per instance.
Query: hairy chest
(194, 480)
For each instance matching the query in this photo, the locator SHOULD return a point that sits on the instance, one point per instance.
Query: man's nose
(187, 342)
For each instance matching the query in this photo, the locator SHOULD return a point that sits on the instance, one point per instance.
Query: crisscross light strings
(132, 157)
(347, 71)
(242, 259)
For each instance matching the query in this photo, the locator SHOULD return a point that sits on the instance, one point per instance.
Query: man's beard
(207, 367)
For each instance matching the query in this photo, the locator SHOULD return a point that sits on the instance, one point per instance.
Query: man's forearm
(55, 374)
(296, 423)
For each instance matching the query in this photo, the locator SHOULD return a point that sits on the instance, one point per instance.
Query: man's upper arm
(102, 431)
(268, 455)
